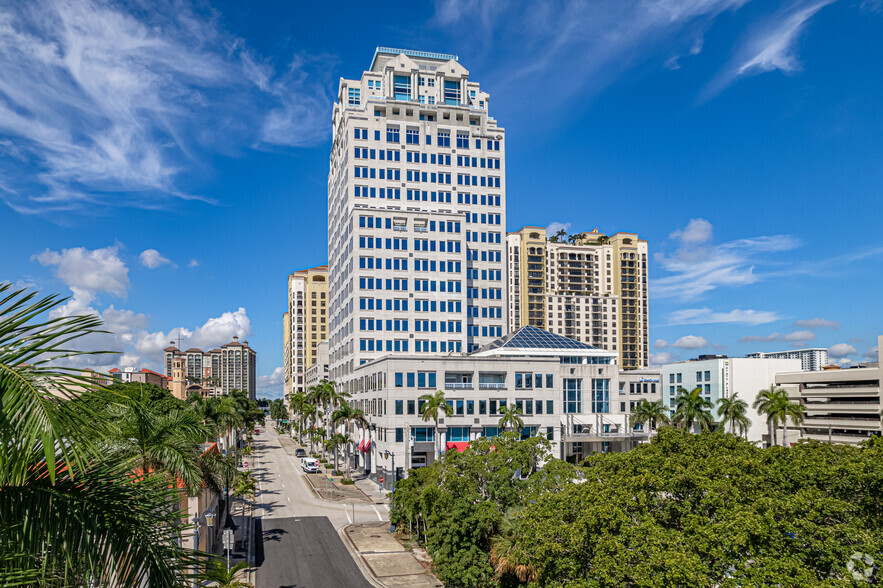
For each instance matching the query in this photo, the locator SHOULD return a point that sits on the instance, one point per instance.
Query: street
(301, 545)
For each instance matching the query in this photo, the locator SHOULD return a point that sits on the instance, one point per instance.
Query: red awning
(460, 446)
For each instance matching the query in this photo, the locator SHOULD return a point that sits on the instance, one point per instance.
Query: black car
(300, 453)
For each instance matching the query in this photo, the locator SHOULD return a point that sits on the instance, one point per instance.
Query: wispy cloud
(699, 266)
(102, 104)
(593, 42)
(151, 258)
(795, 337)
(701, 316)
(769, 46)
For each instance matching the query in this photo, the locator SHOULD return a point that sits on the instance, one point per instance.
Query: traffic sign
(228, 538)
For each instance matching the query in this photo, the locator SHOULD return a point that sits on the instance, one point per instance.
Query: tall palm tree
(735, 411)
(296, 402)
(691, 410)
(72, 515)
(774, 403)
(346, 414)
(432, 404)
(778, 408)
(511, 417)
(244, 487)
(503, 543)
(652, 413)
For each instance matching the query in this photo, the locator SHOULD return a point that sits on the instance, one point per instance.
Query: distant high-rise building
(591, 288)
(231, 367)
(416, 213)
(810, 359)
(307, 318)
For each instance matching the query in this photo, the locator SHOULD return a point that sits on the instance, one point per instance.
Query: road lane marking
(289, 498)
(386, 507)
(347, 513)
(379, 518)
(283, 485)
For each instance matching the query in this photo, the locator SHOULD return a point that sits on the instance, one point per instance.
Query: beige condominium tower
(305, 324)
(590, 287)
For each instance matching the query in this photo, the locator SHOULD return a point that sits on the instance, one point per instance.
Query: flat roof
(411, 53)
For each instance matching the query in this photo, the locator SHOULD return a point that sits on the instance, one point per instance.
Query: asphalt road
(301, 546)
(305, 552)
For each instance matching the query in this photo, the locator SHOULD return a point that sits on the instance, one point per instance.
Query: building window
(491, 431)
(410, 407)
(353, 96)
(601, 396)
(412, 136)
(573, 395)
(422, 434)
(400, 407)
(402, 87)
(400, 435)
(452, 92)
(458, 434)
(392, 135)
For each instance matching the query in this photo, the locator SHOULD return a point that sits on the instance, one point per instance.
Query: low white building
(721, 377)
(318, 371)
(637, 385)
(568, 391)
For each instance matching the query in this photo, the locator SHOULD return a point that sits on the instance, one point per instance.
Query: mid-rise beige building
(591, 288)
(306, 324)
(231, 367)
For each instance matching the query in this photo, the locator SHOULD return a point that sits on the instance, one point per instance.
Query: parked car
(300, 453)
(310, 465)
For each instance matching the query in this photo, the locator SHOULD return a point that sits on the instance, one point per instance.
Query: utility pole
(390, 454)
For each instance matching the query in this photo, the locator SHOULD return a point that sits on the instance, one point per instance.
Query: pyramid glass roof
(532, 338)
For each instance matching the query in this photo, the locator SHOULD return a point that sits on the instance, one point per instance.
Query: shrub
(347, 481)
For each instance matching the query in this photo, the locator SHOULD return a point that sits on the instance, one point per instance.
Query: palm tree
(503, 543)
(432, 403)
(511, 417)
(335, 441)
(296, 402)
(735, 411)
(346, 414)
(692, 410)
(778, 408)
(158, 443)
(222, 578)
(652, 413)
(244, 486)
(71, 513)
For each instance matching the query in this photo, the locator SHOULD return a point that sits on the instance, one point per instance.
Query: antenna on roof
(179, 340)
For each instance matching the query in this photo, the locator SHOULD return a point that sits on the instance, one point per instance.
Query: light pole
(209, 517)
(389, 454)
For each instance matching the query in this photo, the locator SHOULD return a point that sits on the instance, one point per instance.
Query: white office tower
(416, 213)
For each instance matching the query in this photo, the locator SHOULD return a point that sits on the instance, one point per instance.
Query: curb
(357, 556)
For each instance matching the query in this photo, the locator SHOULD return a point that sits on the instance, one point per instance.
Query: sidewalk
(373, 490)
(390, 564)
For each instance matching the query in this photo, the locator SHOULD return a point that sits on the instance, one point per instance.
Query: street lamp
(209, 517)
(389, 454)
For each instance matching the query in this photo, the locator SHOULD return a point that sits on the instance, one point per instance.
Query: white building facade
(416, 214)
(810, 359)
(567, 391)
(721, 377)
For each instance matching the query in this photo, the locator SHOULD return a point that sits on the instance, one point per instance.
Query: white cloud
(107, 104)
(795, 337)
(214, 332)
(770, 46)
(193, 263)
(270, 386)
(817, 323)
(662, 358)
(87, 272)
(699, 266)
(690, 342)
(699, 316)
(774, 48)
(871, 354)
(841, 350)
(660, 344)
(554, 227)
(153, 259)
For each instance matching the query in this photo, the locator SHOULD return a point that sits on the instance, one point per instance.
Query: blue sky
(165, 163)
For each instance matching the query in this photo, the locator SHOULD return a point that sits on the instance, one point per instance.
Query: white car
(310, 465)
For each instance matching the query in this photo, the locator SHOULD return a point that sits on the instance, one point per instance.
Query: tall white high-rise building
(416, 213)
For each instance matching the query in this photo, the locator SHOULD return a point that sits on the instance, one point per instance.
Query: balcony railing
(458, 385)
(491, 385)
